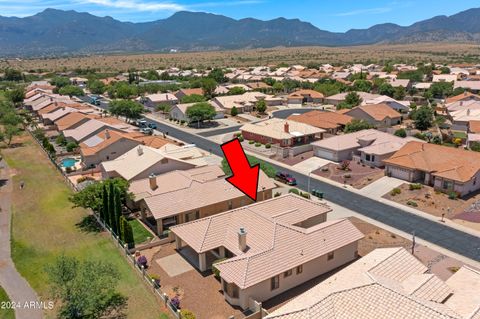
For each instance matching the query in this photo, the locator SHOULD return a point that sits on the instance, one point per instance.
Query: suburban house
(399, 106)
(405, 83)
(154, 100)
(105, 146)
(86, 130)
(187, 92)
(142, 161)
(179, 111)
(70, 121)
(465, 96)
(388, 283)
(281, 132)
(473, 86)
(193, 199)
(270, 246)
(444, 78)
(378, 115)
(244, 102)
(305, 96)
(456, 170)
(170, 181)
(371, 147)
(461, 118)
(340, 97)
(331, 122)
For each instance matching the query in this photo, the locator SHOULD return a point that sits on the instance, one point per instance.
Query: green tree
(10, 132)
(60, 81)
(388, 68)
(399, 93)
(91, 197)
(234, 111)
(86, 289)
(441, 89)
(209, 85)
(201, 112)
(111, 208)
(71, 90)
(400, 133)
(12, 75)
(357, 125)
(422, 117)
(353, 99)
(261, 106)
(104, 208)
(445, 70)
(278, 86)
(386, 89)
(117, 209)
(131, 110)
(96, 86)
(193, 98)
(362, 86)
(15, 95)
(128, 234)
(416, 75)
(163, 107)
(458, 91)
(236, 90)
(218, 75)
(152, 75)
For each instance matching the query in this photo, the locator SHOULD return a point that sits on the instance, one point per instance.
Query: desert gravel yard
(357, 175)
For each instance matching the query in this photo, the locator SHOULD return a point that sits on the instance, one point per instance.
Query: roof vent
(140, 151)
(152, 178)
(242, 239)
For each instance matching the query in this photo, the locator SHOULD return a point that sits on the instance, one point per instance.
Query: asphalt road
(434, 232)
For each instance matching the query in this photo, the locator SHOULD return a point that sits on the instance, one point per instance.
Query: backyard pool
(68, 162)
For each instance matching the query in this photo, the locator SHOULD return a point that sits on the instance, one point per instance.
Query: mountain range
(56, 32)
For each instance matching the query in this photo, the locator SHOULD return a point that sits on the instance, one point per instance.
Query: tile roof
(275, 128)
(387, 283)
(102, 140)
(474, 126)
(463, 96)
(301, 93)
(325, 120)
(272, 235)
(59, 113)
(69, 120)
(247, 98)
(454, 164)
(198, 194)
(378, 111)
(370, 141)
(175, 180)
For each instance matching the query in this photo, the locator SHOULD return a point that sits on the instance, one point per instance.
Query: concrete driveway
(311, 164)
(380, 187)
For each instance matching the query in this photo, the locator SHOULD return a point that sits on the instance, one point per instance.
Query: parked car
(285, 178)
(95, 100)
(146, 131)
(151, 125)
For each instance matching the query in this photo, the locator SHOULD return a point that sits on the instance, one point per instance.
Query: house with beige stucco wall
(270, 246)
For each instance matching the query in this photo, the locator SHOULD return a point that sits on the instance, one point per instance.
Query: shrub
(400, 132)
(345, 165)
(39, 134)
(251, 142)
(175, 302)
(258, 144)
(396, 191)
(277, 194)
(305, 195)
(234, 111)
(85, 178)
(415, 186)
(142, 261)
(238, 134)
(186, 314)
(268, 145)
(412, 203)
(71, 146)
(452, 195)
(294, 191)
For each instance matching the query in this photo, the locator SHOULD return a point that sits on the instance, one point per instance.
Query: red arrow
(244, 176)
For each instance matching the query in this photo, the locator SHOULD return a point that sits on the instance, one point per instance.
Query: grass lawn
(140, 234)
(5, 313)
(459, 134)
(44, 225)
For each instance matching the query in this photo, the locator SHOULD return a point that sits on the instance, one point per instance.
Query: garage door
(399, 173)
(326, 154)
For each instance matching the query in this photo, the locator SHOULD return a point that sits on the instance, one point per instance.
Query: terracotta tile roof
(272, 236)
(69, 120)
(151, 140)
(197, 91)
(301, 93)
(403, 289)
(275, 128)
(102, 140)
(325, 120)
(197, 195)
(463, 96)
(474, 126)
(455, 163)
(379, 111)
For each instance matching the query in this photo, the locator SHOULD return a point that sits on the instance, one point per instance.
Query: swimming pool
(68, 162)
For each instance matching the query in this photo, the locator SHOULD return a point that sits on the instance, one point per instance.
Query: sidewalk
(17, 288)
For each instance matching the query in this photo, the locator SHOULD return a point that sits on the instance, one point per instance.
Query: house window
(288, 273)
(447, 185)
(169, 222)
(373, 158)
(367, 157)
(299, 269)
(274, 282)
(330, 255)
(192, 216)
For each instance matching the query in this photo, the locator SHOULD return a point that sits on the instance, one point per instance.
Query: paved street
(434, 232)
(17, 288)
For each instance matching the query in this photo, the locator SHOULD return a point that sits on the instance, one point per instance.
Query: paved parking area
(174, 265)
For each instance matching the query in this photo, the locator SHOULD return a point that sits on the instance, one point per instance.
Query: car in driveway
(285, 178)
(146, 130)
(145, 124)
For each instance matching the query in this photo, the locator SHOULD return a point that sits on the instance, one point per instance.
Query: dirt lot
(438, 52)
(357, 175)
(462, 211)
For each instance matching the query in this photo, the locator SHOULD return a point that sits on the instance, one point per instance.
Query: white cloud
(364, 11)
(137, 5)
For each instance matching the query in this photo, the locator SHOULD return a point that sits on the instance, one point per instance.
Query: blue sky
(336, 15)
